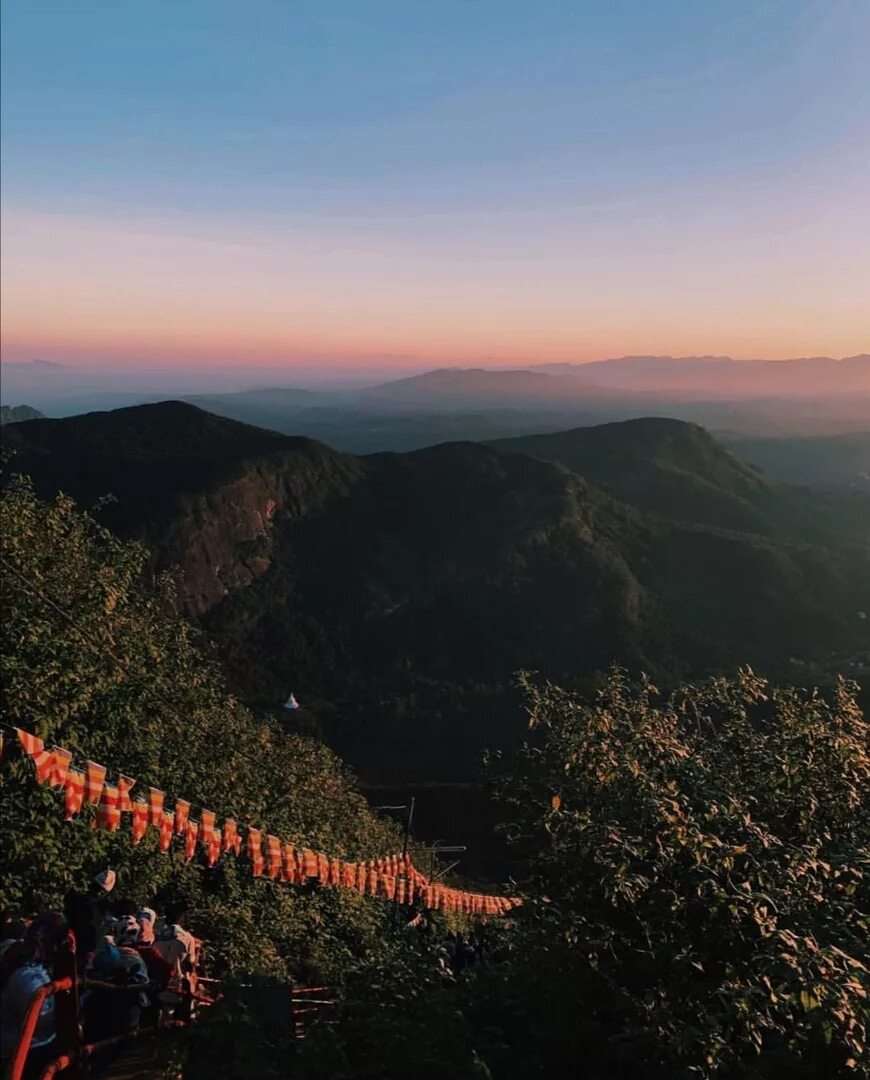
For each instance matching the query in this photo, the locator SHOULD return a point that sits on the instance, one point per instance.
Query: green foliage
(701, 892)
(124, 681)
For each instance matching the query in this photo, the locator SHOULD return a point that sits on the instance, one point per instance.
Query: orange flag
(213, 847)
(42, 759)
(362, 876)
(206, 827)
(140, 819)
(323, 868)
(59, 766)
(156, 798)
(191, 832)
(94, 780)
(334, 872)
(400, 891)
(232, 840)
(125, 785)
(182, 813)
(291, 870)
(372, 880)
(166, 823)
(309, 863)
(273, 852)
(348, 875)
(108, 811)
(75, 792)
(255, 850)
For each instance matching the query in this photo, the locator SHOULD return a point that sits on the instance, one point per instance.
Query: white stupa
(291, 702)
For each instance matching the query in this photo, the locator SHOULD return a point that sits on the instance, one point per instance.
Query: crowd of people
(136, 967)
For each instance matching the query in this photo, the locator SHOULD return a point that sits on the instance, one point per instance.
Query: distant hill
(471, 386)
(722, 377)
(397, 593)
(14, 414)
(823, 461)
(666, 467)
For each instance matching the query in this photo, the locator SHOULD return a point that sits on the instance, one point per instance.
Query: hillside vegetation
(694, 865)
(98, 663)
(398, 593)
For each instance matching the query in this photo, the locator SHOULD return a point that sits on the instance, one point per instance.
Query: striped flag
(74, 794)
(34, 747)
(165, 826)
(182, 813)
(156, 798)
(59, 766)
(125, 786)
(108, 811)
(140, 819)
(95, 777)
(255, 850)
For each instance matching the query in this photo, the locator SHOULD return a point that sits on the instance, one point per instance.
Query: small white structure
(291, 702)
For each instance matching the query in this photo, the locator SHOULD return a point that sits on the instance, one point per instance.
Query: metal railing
(69, 1035)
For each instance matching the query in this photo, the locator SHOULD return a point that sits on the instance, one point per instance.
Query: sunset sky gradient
(467, 181)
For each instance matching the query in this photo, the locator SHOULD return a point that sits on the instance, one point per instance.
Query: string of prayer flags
(392, 877)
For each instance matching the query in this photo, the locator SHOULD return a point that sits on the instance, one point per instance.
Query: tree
(95, 659)
(699, 900)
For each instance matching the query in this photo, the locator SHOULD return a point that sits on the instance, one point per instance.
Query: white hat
(105, 879)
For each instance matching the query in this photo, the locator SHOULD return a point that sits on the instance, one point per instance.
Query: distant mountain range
(397, 593)
(817, 395)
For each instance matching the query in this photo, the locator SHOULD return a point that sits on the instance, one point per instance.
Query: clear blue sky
(505, 177)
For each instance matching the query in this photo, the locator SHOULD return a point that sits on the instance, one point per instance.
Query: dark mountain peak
(162, 430)
(668, 467)
(16, 414)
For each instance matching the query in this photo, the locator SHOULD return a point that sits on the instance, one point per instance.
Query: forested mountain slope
(398, 593)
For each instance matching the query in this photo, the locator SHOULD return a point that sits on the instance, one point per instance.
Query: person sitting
(86, 916)
(180, 948)
(115, 1009)
(24, 969)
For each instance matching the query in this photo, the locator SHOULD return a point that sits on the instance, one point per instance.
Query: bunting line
(392, 877)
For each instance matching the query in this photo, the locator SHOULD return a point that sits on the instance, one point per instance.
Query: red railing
(28, 1024)
(69, 1034)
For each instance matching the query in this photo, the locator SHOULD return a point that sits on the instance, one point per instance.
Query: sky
(399, 182)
